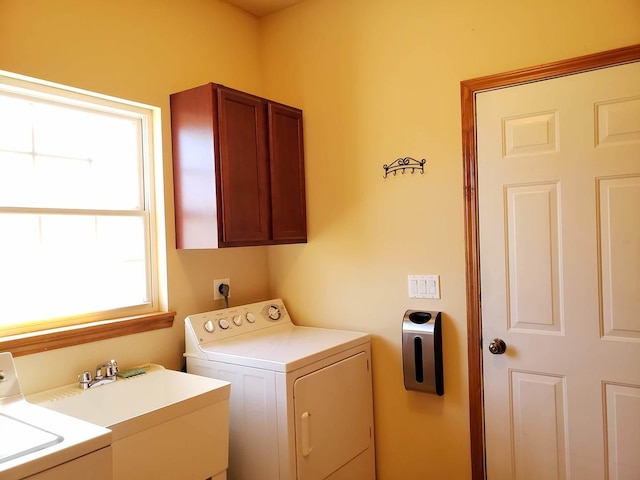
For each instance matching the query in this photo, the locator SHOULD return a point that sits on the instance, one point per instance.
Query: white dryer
(301, 399)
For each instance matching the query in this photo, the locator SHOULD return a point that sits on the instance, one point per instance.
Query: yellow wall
(378, 80)
(141, 50)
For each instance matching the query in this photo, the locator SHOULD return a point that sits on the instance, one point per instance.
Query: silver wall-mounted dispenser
(422, 351)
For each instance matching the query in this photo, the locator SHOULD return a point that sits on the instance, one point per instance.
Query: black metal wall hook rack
(403, 164)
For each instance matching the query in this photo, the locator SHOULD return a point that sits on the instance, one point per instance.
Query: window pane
(61, 131)
(15, 125)
(62, 265)
(80, 158)
(16, 178)
(116, 165)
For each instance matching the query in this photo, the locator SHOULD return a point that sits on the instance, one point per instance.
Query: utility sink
(135, 403)
(19, 438)
(38, 443)
(165, 424)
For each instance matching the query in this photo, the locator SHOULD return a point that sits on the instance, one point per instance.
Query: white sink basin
(19, 438)
(165, 424)
(34, 439)
(129, 405)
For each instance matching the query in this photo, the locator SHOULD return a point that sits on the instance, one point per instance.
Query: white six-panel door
(559, 203)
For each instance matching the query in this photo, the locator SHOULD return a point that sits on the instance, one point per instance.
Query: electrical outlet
(216, 288)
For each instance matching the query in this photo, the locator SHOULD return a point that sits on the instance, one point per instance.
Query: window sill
(45, 340)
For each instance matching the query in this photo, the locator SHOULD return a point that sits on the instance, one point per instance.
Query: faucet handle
(84, 379)
(111, 368)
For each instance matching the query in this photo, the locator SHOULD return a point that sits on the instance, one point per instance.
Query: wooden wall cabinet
(238, 168)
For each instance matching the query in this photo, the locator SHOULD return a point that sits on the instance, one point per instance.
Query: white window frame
(153, 208)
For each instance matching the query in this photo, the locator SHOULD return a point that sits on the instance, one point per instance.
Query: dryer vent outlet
(218, 288)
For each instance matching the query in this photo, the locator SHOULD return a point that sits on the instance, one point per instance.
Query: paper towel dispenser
(422, 351)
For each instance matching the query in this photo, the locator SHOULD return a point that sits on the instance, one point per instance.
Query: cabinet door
(93, 466)
(244, 214)
(286, 152)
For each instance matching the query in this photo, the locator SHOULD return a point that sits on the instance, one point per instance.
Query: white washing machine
(301, 402)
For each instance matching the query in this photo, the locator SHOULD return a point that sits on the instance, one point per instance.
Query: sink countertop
(79, 438)
(130, 405)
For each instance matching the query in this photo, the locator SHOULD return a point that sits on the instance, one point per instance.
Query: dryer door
(334, 416)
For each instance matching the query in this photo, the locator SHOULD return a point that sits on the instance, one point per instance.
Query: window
(77, 207)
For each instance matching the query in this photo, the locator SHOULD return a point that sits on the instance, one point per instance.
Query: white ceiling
(260, 8)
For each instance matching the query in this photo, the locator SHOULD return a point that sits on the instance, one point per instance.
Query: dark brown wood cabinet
(238, 167)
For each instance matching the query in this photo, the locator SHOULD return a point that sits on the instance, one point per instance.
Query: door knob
(497, 347)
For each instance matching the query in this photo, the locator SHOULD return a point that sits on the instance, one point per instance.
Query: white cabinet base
(191, 447)
(94, 466)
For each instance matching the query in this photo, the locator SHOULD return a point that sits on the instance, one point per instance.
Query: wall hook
(403, 164)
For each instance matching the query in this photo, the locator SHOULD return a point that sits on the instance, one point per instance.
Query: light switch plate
(424, 286)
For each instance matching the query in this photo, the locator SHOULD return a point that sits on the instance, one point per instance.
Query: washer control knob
(251, 318)
(274, 312)
(237, 320)
(209, 326)
(223, 323)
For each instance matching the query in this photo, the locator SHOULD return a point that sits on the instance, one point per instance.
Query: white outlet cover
(424, 286)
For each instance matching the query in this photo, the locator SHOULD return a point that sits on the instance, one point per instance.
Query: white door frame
(468, 90)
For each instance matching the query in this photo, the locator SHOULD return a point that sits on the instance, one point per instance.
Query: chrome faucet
(102, 377)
